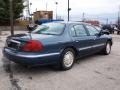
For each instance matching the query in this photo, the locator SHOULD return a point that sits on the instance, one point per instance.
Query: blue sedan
(57, 43)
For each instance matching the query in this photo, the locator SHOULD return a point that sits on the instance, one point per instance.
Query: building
(93, 22)
(39, 15)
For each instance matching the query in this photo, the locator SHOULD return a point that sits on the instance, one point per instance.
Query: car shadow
(88, 58)
(20, 69)
(11, 67)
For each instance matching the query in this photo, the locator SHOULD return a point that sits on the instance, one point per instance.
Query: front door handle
(77, 41)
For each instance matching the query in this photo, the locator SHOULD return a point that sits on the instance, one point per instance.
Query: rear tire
(67, 59)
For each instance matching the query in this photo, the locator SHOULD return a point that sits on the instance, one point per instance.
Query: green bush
(5, 10)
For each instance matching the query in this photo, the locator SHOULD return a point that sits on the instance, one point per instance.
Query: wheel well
(76, 52)
(110, 42)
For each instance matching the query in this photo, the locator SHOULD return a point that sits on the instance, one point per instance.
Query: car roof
(72, 22)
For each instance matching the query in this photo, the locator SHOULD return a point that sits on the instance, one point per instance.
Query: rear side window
(78, 30)
(92, 31)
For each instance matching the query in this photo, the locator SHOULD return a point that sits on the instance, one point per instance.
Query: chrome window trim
(37, 56)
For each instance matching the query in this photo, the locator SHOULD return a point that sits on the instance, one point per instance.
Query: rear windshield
(50, 29)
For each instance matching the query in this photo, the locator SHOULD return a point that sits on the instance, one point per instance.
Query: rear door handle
(60, 42)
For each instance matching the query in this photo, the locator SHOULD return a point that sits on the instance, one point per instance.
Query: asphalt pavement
(96, 72)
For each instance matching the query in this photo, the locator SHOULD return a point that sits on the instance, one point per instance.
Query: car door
(80, 38)
(98, 41)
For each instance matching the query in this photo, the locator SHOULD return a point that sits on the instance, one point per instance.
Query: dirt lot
(96, 72)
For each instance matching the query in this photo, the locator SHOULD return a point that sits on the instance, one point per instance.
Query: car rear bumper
(31, 58)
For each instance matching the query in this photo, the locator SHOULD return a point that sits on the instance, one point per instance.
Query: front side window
(78, 30)
(50, 28)
(93, 31)
(72, 32)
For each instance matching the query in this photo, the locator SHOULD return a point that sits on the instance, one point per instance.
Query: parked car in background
(59, 44)
(109, 28)
(118, 29)
(104, 31)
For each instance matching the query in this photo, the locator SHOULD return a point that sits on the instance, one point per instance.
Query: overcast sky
(89, 7)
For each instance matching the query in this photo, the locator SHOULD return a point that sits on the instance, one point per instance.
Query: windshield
(98, 28)
(50, 28)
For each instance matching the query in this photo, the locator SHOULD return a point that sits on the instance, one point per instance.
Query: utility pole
(83, 17)
(107, 21)
(56, 9)
(11, 18)
(46, 6)
(118, 19)
(119, 16)
(28, 10)
(68, 11)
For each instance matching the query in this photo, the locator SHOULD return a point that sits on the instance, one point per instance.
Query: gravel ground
(96, 72)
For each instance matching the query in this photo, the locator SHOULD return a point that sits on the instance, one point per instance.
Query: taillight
(32, 46)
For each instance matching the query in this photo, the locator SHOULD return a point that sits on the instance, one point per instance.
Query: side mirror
(103, 32)
(98, 34)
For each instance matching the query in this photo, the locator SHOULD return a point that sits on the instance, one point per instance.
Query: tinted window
(50, 28)
(80, 30)
(92, 30)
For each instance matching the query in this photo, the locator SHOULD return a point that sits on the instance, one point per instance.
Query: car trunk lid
(17, 41)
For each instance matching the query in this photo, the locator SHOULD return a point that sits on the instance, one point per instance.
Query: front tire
(68, 59)
(107, 49)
